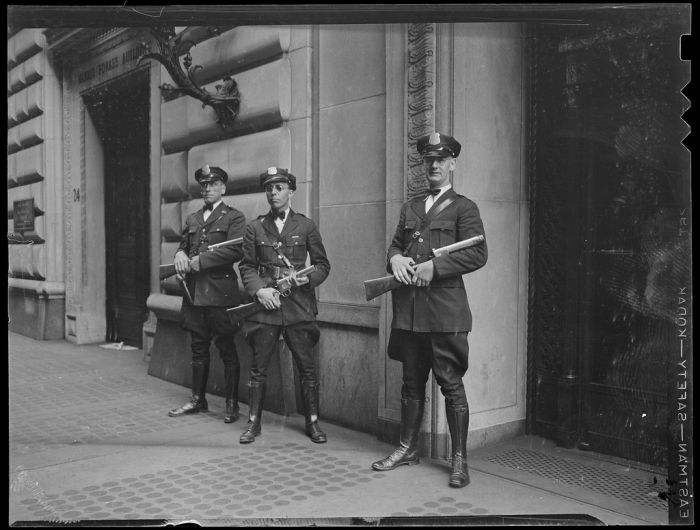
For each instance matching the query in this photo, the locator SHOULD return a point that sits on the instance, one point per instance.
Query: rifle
(166, 271)
(183, 283)
(379, 286)
(283, 286)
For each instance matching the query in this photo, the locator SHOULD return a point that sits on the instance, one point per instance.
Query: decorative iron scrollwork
(226, 101)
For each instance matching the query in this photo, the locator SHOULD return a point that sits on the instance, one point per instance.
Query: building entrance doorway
(608, 186)
(120, 111)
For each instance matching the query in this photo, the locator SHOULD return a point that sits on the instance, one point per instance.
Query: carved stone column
(420, 99)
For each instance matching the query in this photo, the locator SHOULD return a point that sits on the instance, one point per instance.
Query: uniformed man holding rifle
(275, 249)
(210, 245)
(431, 315)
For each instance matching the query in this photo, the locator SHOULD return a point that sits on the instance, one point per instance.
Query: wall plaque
(23, 215)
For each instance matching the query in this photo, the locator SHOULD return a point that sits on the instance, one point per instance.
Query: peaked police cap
(278, 174)
(209, 174)
(438, 145)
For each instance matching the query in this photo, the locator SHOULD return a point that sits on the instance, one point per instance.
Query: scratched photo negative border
(681, 463)
(601, 247)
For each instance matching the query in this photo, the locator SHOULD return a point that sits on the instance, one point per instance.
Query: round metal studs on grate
(616, 485)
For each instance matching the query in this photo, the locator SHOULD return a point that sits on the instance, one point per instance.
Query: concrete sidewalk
(90, 440)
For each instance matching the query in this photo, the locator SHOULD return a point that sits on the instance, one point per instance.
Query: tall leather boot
(198, 402)
(407, 453)
(231, 377)
(310, 399)
(458, 420)
(256, 397)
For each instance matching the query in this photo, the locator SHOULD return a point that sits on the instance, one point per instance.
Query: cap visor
(437, 154)
(276, 178)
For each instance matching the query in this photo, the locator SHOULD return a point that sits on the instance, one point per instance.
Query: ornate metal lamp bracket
(226, 101)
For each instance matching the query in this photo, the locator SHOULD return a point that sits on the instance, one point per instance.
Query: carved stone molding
(75, 47)
(68, 196)
(81, 202)
(420, 99)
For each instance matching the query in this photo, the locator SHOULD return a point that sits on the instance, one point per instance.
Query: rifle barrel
(168, 270)
(307, 270)
(459, 245)
(230, 242)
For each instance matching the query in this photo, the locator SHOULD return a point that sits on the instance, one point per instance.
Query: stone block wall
(36, 288)
(265, 133)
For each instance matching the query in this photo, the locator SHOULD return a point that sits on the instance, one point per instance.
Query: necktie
(432, 197)
(280, 215)
(209, 207)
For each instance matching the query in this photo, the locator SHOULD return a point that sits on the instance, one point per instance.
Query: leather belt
(274, 272)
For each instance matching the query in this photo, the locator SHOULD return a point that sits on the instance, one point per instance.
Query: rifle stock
(166, 271)
(243, 311)
(379, 286)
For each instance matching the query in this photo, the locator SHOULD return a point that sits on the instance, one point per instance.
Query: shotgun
(283, 286)
(379, 286)
(166, 271)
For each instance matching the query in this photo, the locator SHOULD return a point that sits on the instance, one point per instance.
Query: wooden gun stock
(166, 271)
(379, 286)
(240, 313)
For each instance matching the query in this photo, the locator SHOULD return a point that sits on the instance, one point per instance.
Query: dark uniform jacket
(442, 306)
(299, 237)
(216, 284)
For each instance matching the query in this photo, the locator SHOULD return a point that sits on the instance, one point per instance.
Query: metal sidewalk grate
(596, 479)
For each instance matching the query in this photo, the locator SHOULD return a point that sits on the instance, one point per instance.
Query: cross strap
(278, 248)
(278, 245)
(432, 213)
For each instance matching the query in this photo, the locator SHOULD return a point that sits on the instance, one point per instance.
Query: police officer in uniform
(431, 315)
(212, 283)
(276, 245)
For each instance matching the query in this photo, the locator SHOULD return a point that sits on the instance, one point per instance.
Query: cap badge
(272, 171)
(434, 139)
(205, 169)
